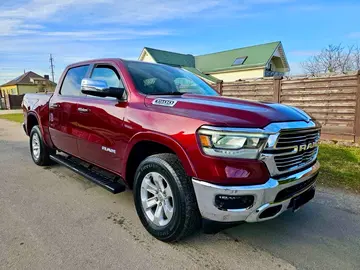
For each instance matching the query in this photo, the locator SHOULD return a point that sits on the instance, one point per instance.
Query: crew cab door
(63, 110)
(101, 139)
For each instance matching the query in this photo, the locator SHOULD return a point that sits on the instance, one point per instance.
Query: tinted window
(107, 74)
(72, 82)
(154, 79)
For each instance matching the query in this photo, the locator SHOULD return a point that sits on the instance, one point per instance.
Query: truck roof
(91, 61)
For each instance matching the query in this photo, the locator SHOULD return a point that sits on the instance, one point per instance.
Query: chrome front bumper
(264, 197)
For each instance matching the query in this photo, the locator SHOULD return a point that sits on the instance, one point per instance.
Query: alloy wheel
(35, 143)
(157, 199)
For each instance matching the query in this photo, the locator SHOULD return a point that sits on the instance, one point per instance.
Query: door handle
(54, 105)
(83, 110)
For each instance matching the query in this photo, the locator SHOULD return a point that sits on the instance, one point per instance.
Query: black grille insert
(291, 191)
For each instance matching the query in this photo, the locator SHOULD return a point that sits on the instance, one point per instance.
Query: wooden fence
(333, 100)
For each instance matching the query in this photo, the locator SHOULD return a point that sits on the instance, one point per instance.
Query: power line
(52, 67)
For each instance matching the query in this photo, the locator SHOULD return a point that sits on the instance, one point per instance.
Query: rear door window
(72, 81)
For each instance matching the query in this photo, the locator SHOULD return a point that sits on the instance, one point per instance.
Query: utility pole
(52, 67)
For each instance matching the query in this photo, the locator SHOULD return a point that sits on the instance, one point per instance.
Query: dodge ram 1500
(187, 153)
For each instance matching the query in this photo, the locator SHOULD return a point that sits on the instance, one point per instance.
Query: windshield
(155, 79)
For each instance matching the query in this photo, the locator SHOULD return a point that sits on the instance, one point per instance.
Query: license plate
(302, 199)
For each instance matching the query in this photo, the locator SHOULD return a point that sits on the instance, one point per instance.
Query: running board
(107, 180)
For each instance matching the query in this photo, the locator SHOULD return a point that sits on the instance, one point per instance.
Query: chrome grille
(284, 163)
(287, 157)
(291, 146)
(299, 137)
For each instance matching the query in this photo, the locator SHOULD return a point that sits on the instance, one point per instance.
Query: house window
(239, 61)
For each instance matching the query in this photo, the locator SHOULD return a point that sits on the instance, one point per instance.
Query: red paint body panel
(120, 125)
(63, 125)
(102, 126)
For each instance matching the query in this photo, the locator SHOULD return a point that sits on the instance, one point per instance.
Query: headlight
(235, 143)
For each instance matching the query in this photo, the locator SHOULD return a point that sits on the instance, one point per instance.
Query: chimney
(46, 77)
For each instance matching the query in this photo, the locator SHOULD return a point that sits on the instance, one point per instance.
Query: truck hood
(225, 111)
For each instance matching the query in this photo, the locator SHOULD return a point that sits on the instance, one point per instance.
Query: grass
(15, 117)
(340, 167)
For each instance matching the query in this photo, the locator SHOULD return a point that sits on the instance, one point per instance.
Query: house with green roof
(258, 61)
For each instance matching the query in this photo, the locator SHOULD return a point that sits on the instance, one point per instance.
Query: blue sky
(75, 30)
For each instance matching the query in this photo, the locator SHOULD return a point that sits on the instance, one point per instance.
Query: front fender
(166, 141)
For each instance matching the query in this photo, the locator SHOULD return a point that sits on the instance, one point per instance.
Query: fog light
(225, 202)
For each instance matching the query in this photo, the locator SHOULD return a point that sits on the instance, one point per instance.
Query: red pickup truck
(187, 153)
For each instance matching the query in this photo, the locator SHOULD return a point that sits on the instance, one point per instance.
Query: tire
(38, 150)
(185, 217)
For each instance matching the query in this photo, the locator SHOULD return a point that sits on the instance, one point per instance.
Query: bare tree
(311, 66)
(333, 58)
(356, 58)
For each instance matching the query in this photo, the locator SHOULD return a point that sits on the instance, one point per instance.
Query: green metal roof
(171, 58)
(200, 74)
(257, 56)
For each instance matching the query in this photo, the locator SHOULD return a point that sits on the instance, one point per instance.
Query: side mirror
(99, 88)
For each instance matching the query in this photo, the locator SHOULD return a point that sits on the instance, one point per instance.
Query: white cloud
(32, 26)
(104, 11)
(43, 9)
(121, 34)
(83, 29)
(17, 20)
(145, 11)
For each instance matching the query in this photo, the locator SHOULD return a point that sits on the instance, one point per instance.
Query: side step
(107, 180)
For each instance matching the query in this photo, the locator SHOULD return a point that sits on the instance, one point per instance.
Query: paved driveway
(51, 218)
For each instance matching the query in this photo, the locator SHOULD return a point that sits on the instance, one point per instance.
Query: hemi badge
(164, 102)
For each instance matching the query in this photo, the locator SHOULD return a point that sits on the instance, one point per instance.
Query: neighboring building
(264, 60)
(29, 82)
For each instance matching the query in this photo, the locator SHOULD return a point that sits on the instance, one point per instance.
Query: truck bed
(38, 106)
(32, 101)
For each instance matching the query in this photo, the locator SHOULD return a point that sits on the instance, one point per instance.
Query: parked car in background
(186, 152)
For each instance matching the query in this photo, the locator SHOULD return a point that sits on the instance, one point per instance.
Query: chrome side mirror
(93, 85)
(100, 88)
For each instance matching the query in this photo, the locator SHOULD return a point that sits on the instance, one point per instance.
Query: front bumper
(266, 196)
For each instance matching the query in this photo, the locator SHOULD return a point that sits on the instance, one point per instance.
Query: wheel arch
(167, 144)
(31, 121)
